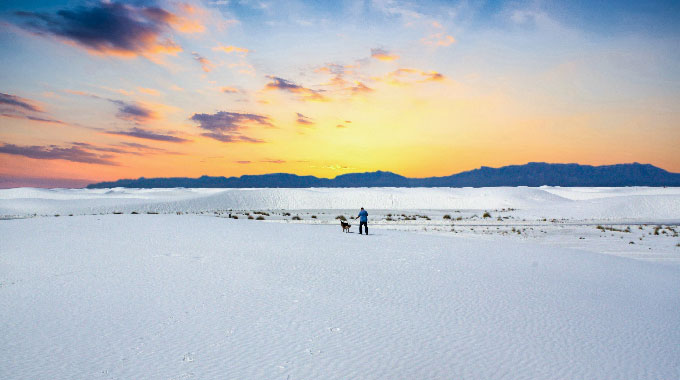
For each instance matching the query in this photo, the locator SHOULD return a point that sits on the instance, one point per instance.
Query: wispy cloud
(231, 49)
(304, 93)
(17, 102)
(406, 76)
(109, 149)
(383, 55)
(149, 135)
(230, 90)
(129, 111)
(73, 153)
(243, 67)
(134, 112)
(141, 146)
(360, 88)
(438, 39)
(227, 126)
(149, 91)
(345, 79)
(32, 118)
(206, 65)
(191, 21)
(304, 120)
(112, 28)
(16, 107)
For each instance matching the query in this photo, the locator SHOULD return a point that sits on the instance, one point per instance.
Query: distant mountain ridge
(532, 174)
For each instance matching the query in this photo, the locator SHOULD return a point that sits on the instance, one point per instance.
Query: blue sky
(102, 90)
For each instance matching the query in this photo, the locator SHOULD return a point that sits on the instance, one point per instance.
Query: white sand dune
(199, 297)
(575, 203)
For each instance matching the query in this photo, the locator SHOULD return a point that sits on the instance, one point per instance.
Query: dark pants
(365, 227)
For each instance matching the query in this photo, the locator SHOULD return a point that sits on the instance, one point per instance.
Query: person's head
(362, 208)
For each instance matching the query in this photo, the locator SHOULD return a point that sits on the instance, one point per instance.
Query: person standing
(363, 220)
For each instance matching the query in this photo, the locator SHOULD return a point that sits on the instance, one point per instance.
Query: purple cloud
(16, 107)
(32, 118)
(141, 146)
(108, 28)
(144, 134)
(304, 120)
(134, 112)
(304, 93)
(206, 65)
(54, 152)
(14, 102)
(247, 139)
(102, 148)
(230, 138)
(383, 55)
(226, 126)
(360, 88)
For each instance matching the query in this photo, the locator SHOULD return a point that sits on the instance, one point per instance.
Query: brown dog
(345, 226)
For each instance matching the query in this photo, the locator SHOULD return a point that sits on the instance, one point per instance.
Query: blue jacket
(363, 216)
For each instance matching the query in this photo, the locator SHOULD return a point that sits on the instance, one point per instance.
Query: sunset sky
(93, 91)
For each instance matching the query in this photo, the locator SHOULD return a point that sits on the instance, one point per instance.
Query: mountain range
(531, 174)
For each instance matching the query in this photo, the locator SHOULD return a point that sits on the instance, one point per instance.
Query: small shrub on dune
(297, 217)
(117, 212)
(286, 214)
(486, 215)
(341, 217)
(234, 217)
(313, 216)
(250, 217)
(260, 218)
(446, 216)
(134, 213)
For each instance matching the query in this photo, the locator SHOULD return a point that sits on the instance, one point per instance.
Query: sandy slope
(198, 297)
